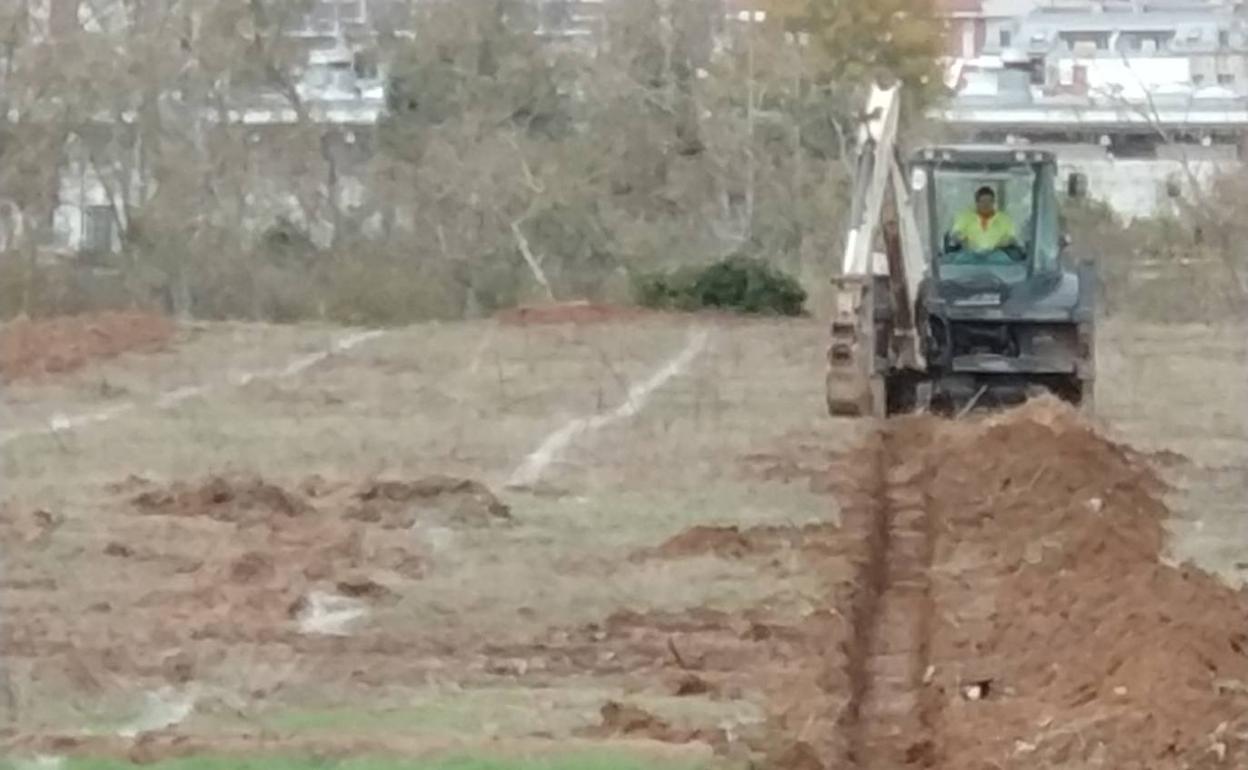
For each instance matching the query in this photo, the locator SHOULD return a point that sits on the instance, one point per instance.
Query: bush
(739, 284)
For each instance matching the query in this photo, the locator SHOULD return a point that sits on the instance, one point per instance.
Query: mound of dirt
(276, 547)
(442, 500)
(236, 501)
(56, 345)
(570, 313)
(24, 530)
(626, 720)
(731, 542)
(1086, 649)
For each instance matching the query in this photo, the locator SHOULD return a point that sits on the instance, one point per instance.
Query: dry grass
(472, 400)
(1184, 388)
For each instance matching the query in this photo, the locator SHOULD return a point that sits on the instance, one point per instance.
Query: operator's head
(985, 201)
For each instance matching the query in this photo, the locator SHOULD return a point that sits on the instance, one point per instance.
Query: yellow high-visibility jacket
(984, 235)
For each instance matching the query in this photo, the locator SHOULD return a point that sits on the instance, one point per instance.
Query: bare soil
(1036, 627)
(1049, 545)
(572, 313)
(34, 348)
(1039, 627)
(984, 593)
(196, 570)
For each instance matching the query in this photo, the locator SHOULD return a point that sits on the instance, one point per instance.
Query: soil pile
(55, 345)
(439, 500)
(264, 548)
(231, 580)
(733, 542)
(273, 546)
(627, 720)
(236, 501)
(1075, 644)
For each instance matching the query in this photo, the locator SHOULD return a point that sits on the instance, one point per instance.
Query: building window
(1146, 42)
(326, 15)
(322, 19)
(1037, 71)
(1197, 79)
(1224, 38)
(1097, 40)
(365, 65)
(352, 11)
(1226, 79)
(1005, 38)
(97, 230)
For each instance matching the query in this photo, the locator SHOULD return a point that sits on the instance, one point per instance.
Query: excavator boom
(863, 333)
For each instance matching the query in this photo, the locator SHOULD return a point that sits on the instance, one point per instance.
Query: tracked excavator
(924, 322)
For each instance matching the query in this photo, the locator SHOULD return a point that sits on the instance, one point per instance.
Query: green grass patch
(738, 284)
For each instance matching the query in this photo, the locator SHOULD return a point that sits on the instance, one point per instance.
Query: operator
(983, 228)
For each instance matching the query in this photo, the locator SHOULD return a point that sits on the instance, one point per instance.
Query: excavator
(924, 323)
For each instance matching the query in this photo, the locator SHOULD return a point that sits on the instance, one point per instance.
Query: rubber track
(887, 722)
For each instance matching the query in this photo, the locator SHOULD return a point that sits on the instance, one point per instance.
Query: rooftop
(989, 154)
(1225, 115)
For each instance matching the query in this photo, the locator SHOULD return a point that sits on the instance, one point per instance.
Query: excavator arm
(873, 327)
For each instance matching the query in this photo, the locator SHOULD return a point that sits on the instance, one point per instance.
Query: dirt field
(637, 532)
(39, 348)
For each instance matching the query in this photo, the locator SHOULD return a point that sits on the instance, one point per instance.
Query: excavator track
(888, 722)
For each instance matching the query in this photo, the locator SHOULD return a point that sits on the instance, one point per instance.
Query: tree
(507, 167)
(857, 41)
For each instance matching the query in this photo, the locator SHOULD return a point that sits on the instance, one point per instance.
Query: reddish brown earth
(733, 542)
(1049, 542)
(624, 720)
(1038, 626)
(583, 312)
(571, 313)
(56, 345)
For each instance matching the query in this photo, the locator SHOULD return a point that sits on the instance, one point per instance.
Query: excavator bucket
(853, 387)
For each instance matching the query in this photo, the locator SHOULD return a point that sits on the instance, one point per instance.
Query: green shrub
(739, 284)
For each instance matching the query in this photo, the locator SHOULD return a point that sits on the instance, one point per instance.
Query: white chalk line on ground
(162, 708)
(535, 464)
(171, 398)
(328, 614)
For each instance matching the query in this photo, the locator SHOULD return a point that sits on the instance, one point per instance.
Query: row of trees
(505, 168)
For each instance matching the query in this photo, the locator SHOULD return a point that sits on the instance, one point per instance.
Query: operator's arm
(1007, 234)
(963, 225)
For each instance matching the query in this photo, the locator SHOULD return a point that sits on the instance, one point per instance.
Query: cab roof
(986, 154)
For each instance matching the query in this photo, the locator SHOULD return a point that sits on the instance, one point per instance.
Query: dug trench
(1013, 609)
(1009, 607)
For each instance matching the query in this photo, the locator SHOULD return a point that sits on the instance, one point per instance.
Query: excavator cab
(1022, 193)
(1006, 317)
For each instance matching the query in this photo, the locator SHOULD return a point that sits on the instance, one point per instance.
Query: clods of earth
(1058, 636)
